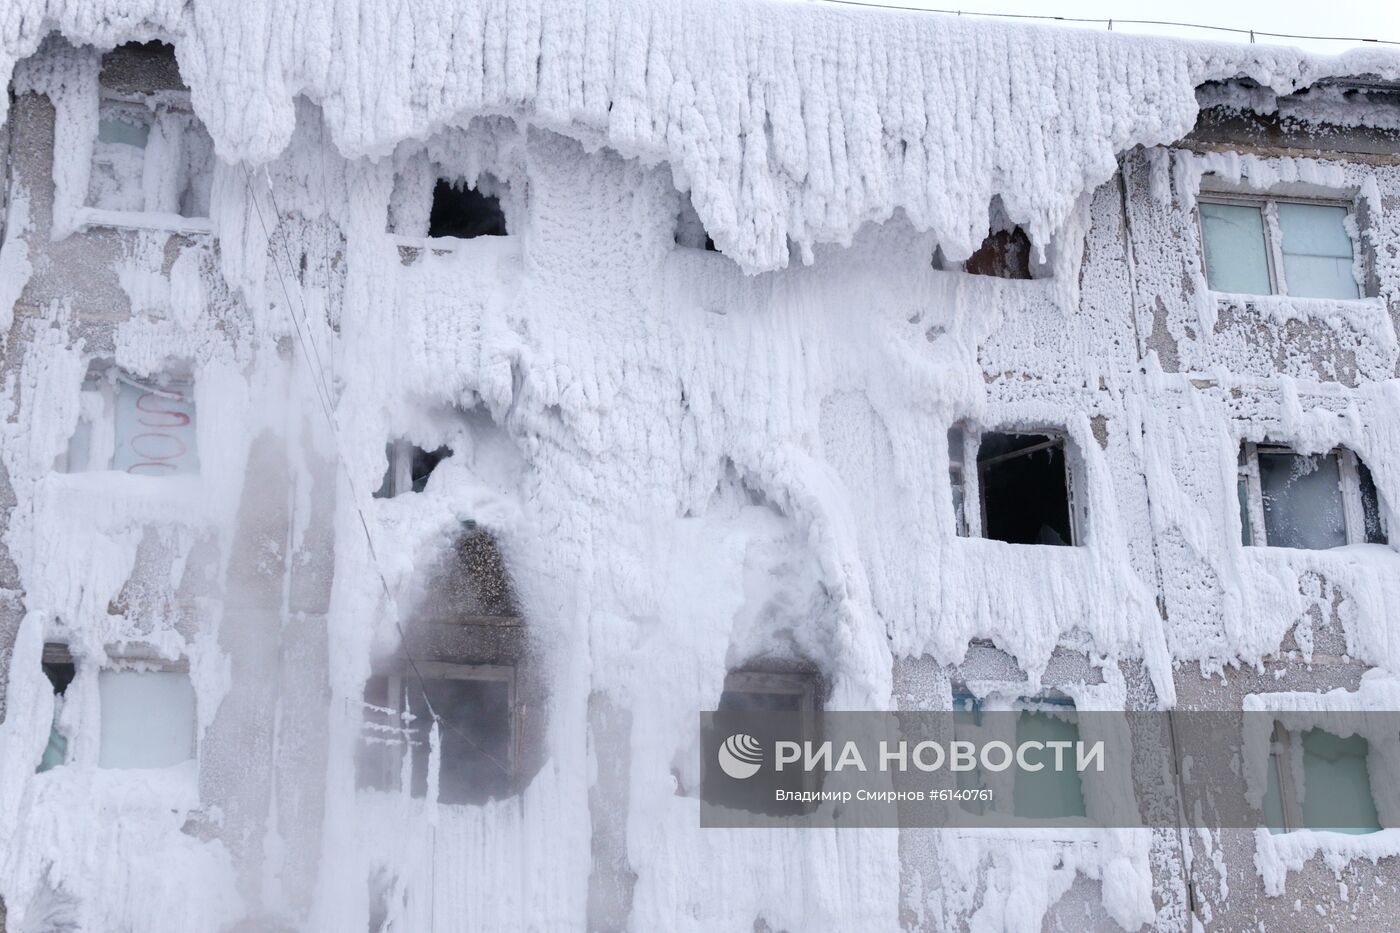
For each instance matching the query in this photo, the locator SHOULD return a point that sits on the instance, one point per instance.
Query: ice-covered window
(475, 710)
(690, 229)
(1312, 501)
(1048, 793)
(789, 693)
(150, 155)
(1319, 781)
(1023, 485)
(148, 718)
(465, 212)
(136, 425)
(59, 669)
(409, 468)
(1275, 246)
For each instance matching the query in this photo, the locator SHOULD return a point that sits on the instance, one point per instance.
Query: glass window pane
(147, 719)
(155, 429)
(1273, 793)
(1302, 500)
(1047, 793)
(1336, 784)
(1236, 257)
(1370, 505)
(1317, 251)
(1242, 487)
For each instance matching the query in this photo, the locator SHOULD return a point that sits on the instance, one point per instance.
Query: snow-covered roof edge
(787, 121)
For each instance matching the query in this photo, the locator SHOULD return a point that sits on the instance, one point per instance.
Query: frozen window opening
(58, 668)
(477, 742)
(144, 426)
(1049, 793)
(465, 212)
(409, 468)
(1275, 246)
(1024, 487)
(1334, 793)
(150, 155)
(690, 229)
(1311, 501)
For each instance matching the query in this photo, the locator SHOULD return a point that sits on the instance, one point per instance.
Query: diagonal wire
(308, 347)
(875, 4)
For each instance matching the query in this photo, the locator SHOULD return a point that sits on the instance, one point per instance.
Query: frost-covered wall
(693, 462)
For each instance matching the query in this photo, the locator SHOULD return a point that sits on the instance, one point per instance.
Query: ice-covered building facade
(575, 363)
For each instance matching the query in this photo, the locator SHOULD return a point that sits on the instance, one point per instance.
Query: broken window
(465, 212)
(150, 154)
(1004, 254)
(1312, 501)
(1335, 791)
(58, 668)
(409, 468)
(148, 718)
(690, 230)
(475, 709)
(1024, 487)
(1275, 246)
(136, 425)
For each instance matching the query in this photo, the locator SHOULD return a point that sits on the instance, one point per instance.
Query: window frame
(1273, 235)
(780, 683)
(1353, 510)
(971, 523)
(1284, 746)
(386, 771)
(161, 104)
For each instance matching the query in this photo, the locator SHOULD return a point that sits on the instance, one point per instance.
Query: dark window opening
(409, 468)
(59, 669)
(464, 213)
(690, 230)
(1025, 489)
(1005, 254)
(794, 699)
(476, 734)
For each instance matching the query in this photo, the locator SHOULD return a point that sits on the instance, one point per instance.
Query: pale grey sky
(1378, 19)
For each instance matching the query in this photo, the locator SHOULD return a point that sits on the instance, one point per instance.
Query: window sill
(86, 217)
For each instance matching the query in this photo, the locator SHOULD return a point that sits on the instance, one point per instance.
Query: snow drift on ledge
(788, 122)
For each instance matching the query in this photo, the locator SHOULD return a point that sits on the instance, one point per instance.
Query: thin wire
(1112, 22)
(323, 394)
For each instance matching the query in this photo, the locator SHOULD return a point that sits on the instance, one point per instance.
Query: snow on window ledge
(86, 217)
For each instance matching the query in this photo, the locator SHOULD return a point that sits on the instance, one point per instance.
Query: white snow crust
(690, 459)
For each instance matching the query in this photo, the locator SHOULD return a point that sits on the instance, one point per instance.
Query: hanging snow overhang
(788, 123)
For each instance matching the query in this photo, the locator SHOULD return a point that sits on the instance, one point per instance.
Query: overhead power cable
(1110, 23)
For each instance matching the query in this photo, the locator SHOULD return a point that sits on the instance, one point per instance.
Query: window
(477, 743)
(409, 468)
(1275, 246)
(1335, 794)
(1004, 254)
(59, 669)
(1312, 501)
(768, 692)
(1024, 487)
(1044, 794)
(148, 718)
(690, 230)
(466, 212)
(150, 154)
(135, 425)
